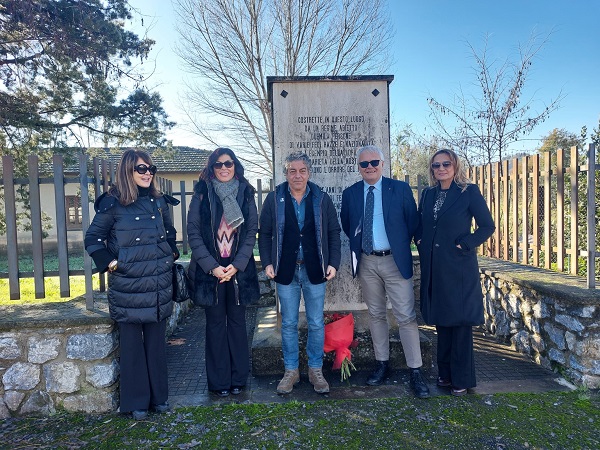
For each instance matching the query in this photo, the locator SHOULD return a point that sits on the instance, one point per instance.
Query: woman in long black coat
(451, 295)
(133, 238)
(222, 227)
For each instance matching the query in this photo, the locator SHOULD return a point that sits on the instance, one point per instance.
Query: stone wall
(549, 316)
(60, 356)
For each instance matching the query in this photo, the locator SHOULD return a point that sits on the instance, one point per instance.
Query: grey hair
(370, 148)
(297, 156)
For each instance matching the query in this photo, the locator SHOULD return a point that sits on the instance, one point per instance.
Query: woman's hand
(219, 272)
(230, 271)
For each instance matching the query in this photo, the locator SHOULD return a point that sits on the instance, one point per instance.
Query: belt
(299, 262)
(379, 253)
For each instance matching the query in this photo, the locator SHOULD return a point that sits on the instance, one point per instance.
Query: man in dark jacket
(379, 216)
(300, 248)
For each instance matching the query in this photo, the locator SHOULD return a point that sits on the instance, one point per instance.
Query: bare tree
(230, 46)
(481, 126)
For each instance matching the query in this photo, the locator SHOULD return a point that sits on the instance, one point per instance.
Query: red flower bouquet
(339, 337)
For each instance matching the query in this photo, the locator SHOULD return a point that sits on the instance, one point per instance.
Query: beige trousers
(379, 276)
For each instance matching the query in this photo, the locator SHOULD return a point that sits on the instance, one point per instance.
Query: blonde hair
(125, 188)
(460, 175)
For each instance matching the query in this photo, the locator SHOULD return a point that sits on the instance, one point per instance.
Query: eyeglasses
(143, 168)
(437, 165)
(365, 164)
(219, 165)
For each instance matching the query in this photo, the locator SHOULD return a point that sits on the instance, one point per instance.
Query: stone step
(267, 356)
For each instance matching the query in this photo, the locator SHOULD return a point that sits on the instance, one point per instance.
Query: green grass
(52, 288)
(501, 421)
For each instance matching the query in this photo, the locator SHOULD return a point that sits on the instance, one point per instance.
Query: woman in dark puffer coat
(222, 226)
(133, 238)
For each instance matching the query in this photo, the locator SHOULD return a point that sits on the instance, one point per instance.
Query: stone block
(590, 347)
(9, 346)
(88, 347)
(591, 381)
(502, 324)
(521, 342)
(537, 343)
(575, 364)
(21, 376)
(556, 335)
(556, 355)
(38, 402)
(586, 312)
(42, 350)
(62, 377)
(514, 305)
(4, 412)
(93, 402)
(570, 322)
(571, 340)
(541, 310)
(13, 399)
(531, 324)
(102, 375)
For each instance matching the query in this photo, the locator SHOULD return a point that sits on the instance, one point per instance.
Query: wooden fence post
(591, 217)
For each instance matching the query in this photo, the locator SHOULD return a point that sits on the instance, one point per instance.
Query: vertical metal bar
(497, 214)
(504, 223)
(515, 209)
(259, 195)
(591, 217)
(85, 224)
(535, 207)
(547, 211)
(490, 197)
(35, 205)
(525, 209)
(574, 174)
(10, 209)
(98, 166)
(184, 208)
(560, 210)
(61, 225)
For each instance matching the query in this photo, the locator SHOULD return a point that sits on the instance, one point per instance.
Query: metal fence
(544, 207)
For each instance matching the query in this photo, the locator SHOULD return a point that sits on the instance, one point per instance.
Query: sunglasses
(143, 168)
(219, 165)
(365, 164)
(437, 165)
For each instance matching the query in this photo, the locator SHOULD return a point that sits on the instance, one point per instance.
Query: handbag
(181, 290)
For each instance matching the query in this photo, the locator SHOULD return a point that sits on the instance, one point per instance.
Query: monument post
(329, 118)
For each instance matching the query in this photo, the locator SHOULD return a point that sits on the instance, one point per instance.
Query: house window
(73, 206)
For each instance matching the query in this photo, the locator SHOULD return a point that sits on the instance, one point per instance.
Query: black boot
(379, 374)
(418, 384)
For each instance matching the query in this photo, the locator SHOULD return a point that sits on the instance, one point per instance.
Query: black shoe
(222, 392)
(418, 384)
(379, 374)
(236, 390)
(139, 414)
(162, 408)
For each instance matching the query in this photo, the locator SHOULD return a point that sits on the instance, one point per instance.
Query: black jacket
(272, 226)
(140, 290)
(450, 282)
(203, 221)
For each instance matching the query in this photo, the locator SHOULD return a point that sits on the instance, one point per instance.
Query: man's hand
(330, 273)
(269, 271)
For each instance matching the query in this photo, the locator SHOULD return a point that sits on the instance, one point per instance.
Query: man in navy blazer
(382, 260)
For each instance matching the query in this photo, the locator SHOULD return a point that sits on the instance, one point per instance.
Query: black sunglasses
(437, 165)
(143, 168)
(365, 164)
(219, 165)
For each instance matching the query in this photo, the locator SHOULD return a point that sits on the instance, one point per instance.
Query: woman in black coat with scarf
(222, 226)
(451, 295)
(133, 238)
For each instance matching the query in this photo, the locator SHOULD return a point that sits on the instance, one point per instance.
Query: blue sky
(431, 56)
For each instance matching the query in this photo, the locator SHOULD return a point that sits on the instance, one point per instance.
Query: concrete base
(267, 356)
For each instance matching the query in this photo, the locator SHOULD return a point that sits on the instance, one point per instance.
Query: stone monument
(330, 118)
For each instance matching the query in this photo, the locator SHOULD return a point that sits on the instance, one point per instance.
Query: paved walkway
(499, 369)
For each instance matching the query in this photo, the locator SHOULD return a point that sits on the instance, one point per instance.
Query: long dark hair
(208, 172)
(125, 188)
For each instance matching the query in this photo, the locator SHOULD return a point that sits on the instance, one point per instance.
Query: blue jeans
(289, 301)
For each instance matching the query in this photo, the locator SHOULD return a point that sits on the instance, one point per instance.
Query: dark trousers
(227, 357)
(455, 358)
(143, 362)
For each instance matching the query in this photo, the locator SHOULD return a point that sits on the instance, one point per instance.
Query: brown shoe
(316, 378)
(290, 378)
